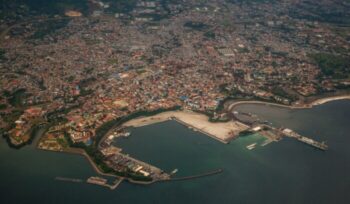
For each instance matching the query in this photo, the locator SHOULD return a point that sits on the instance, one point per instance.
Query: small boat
(174, 171)
(127, 134)
(251, 146)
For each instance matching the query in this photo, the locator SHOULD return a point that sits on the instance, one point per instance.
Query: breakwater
(210, 173)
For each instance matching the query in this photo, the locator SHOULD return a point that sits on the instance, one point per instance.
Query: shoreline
(201, 123)
(233, 104)
(98, 171)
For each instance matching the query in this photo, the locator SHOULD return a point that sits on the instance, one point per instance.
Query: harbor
(223, 132)
(276, 134)
(288, 162)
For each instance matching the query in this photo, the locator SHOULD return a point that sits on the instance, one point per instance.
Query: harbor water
(281, 172)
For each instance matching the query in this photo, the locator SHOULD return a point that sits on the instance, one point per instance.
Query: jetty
(217, 171)
(74, 180)
(275, 134)
(103, 182)
(319, 145)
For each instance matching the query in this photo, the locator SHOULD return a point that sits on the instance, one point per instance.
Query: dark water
(283, 172)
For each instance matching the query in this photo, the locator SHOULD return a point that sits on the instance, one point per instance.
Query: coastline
(329, 99)
(233, 104)
(197, 121)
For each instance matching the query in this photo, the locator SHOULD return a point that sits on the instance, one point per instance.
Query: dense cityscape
(80, 70)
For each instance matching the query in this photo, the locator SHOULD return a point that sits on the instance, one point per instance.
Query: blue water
(283, 172)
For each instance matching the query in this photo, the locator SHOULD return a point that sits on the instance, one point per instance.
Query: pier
(218, 171)
(275, 134)
(306, 140)
(103, 182)
(68, 179)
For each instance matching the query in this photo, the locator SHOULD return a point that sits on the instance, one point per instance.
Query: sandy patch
(222, 131)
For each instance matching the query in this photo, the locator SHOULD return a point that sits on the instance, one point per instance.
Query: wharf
(306, 140)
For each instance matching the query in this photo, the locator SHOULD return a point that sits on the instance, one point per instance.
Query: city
(86, 70)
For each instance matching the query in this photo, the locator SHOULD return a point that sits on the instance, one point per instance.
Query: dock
(103, 182)
(306, 140)
(275, 134)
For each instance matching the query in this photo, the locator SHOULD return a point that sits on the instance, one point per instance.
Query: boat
(251, 146)
(174, 171)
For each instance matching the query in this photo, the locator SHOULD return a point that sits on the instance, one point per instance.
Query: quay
(306, 140)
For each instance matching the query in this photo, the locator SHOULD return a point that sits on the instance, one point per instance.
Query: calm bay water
(283, 172)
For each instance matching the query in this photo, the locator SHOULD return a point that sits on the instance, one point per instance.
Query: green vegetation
(54, 117)
(2, 54)
(279, 91)
(198, 26)
(209, 35)
(122, 6)
(243, 50)
(332, 65)
(3, 106)
(16, 98)
(63, 142)
(13, 116)
(112, 61)
(49, 27)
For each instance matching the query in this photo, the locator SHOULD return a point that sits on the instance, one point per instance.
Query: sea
(281, 172)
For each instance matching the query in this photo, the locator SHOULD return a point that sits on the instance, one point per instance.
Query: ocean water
(284, 172)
